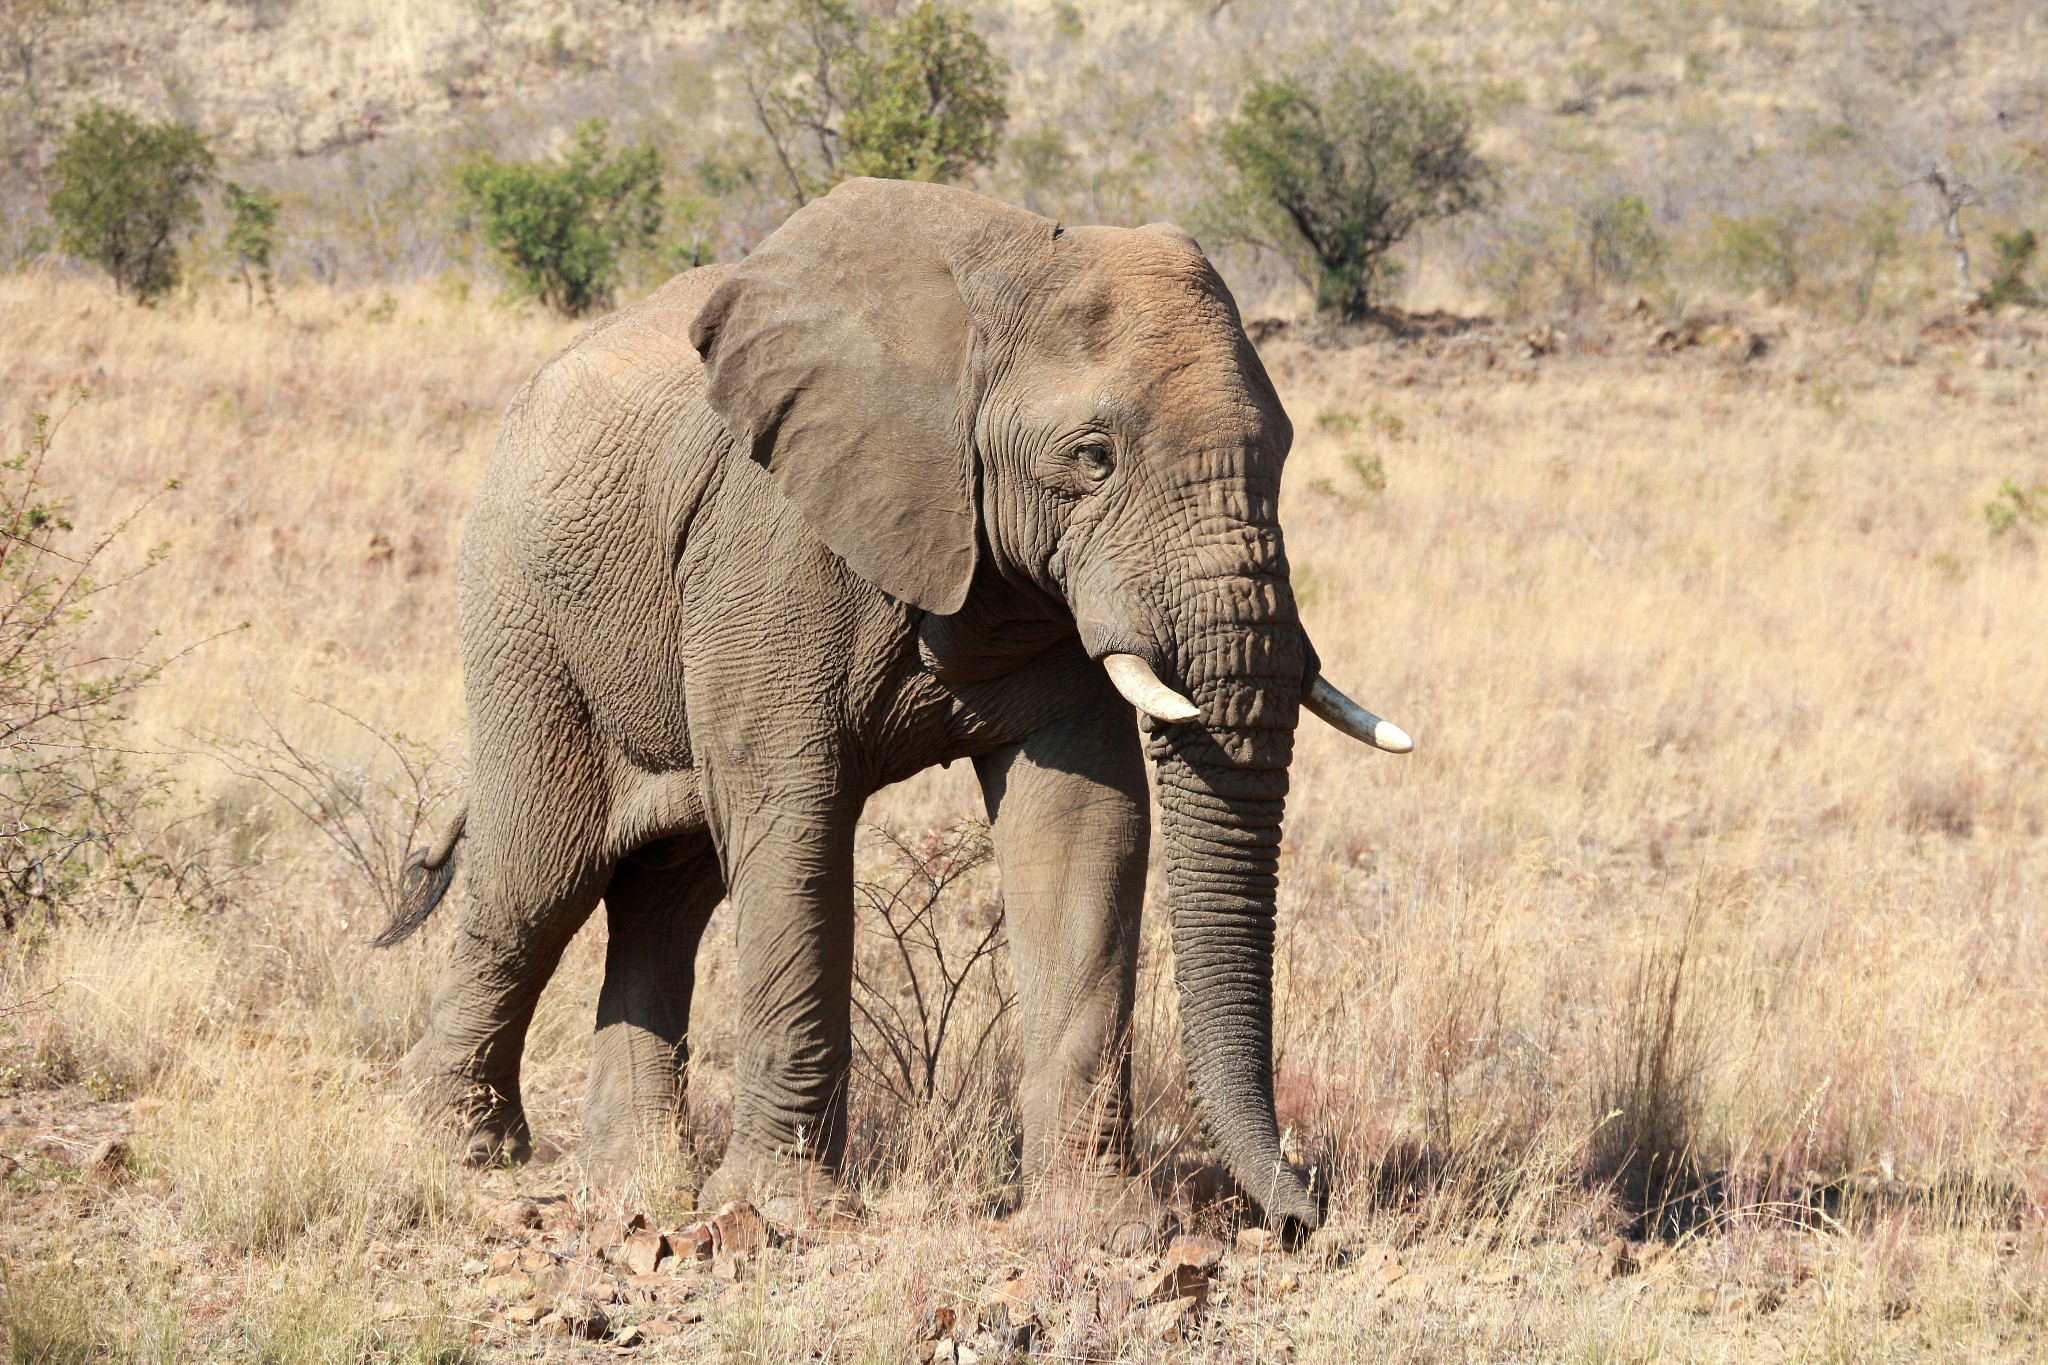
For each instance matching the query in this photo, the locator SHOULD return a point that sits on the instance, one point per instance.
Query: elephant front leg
(656, 907)
(1069, 816)
(790, 869)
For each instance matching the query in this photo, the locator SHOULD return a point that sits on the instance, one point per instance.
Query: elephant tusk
(1352, 719)
(1141, 688)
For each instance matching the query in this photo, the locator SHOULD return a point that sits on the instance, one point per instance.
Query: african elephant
(924, 477)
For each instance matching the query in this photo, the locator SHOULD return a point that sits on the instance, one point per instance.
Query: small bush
(2016, 506)
(252, 237)
(124, 192)
(2015, 258)
(841, 92)
(1336, 170)
(560, 230)
(1651, 1096)
(927, 969)
(1761, 253)
(1620, 242)
(70, 797)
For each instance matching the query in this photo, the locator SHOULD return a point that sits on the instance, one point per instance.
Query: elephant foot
(1120, 1214)
(786, 1189)
(489, 1124)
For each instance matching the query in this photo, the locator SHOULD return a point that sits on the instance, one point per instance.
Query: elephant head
(953, 391)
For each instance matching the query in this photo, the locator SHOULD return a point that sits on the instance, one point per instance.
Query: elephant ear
(842, 356)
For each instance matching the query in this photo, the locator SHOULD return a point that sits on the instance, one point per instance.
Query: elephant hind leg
(656, 906)
(528, 897)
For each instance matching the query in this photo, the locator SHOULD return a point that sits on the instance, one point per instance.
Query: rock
(109, 1161)
(738, 1229)
(1205, 1187)
(1607, 1262)
(8, 1166)
(1331, 1244)
(1405, 1288)
(1172, 1321)
(1258, 1241)
(582, 1317)
(517, 1285)
(950, 1352)
(1133, 1238)
(580, 1277)
(1170, 1281)
(1017, 1295)
(691, 1244)
(730, 1268)
(526, 1314)
(516, 1215)
(503, 1261)
(631, 1337)
(553, 1325)
(1202, 1253)
(534, 1261)
(1281, 1285)
(643, 1252)
(936, 1324)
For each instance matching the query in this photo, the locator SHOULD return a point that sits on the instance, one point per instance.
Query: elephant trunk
(1222, 785)
(1220, 828)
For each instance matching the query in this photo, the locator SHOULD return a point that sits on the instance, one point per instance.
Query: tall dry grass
(1714, 884)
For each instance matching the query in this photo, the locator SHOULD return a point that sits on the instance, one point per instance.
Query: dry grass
(1704, 659)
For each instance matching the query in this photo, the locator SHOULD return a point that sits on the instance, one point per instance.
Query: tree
(252, 237)
(839, 92)
(927, 103)
(560, 230)
(1334, 170)
(124, 192)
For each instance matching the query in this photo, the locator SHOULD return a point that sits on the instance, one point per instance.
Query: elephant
(924, 477)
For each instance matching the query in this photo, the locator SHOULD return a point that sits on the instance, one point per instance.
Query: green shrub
(1762, 252)
(1620, 243)
(927, 101)
(2016, 506)
(2015, 257)
(561, 229)
(1337, 169)
(124, 191)
(252, 237)
(841, 92)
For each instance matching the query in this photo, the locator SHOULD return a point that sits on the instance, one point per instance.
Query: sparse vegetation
(124, 192)
(71, 795)
(561, 229)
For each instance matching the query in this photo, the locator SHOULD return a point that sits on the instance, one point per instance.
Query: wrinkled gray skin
(686, 669)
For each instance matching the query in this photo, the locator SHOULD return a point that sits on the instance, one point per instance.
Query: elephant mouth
(1141, 687)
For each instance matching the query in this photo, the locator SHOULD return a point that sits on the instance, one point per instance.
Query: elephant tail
(425, 880)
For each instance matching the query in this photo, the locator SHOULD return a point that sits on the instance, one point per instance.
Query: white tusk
(1351, 718)
(1141, 688)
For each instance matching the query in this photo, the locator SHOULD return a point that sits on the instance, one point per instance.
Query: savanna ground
(1680, 997)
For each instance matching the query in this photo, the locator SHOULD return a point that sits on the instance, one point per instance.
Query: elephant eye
(1095, 459)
